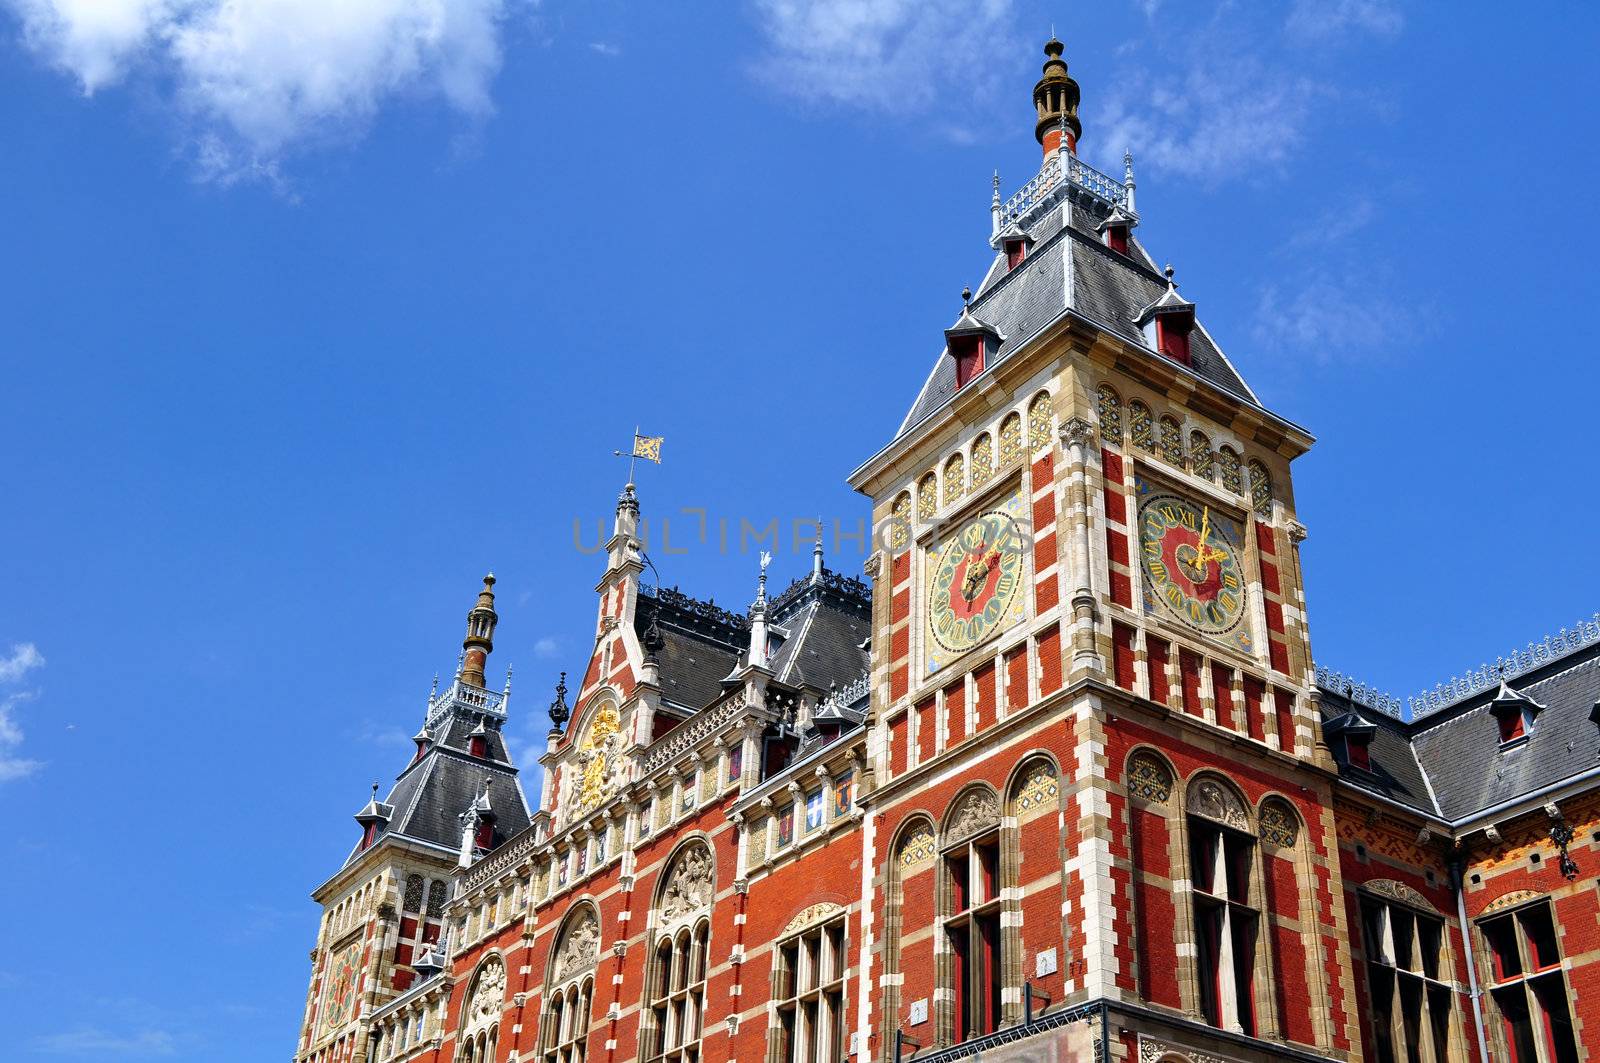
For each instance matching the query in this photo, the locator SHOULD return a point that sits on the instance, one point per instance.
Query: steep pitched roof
(829, 621)
(1070, 269)
(700, 644)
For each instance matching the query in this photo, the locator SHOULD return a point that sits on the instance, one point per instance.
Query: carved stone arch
(485, 998)
(688, 882)
(1213, 797)
(973, 811)
(1034, 787)
(1399, 891)
(1281, 823)
(577, 945)
(811, 915)
(1149, 776)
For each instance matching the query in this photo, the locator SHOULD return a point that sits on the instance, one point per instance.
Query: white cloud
(255, 78)
(91, 1039)
(1208, 121)
(1321, 20)
(546, 647)
(1321, 318)
(893, 56)
(605, 48)
(24, 659)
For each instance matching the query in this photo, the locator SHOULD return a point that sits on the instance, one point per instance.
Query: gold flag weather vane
(646, 447)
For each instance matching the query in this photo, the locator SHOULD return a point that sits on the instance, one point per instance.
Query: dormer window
(1172, 336)
(1016, 250)
(1167, 323)
(485, 835)
(1117, 238)
(1358, 751)
(968, 352)
(1351, 739)
(478, 741)
(1514, 714)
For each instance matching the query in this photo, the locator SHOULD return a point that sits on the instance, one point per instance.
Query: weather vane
(646, 447)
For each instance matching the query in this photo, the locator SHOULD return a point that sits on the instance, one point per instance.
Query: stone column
(1077, 435)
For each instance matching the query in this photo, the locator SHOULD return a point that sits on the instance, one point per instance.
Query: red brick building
(1059, 781)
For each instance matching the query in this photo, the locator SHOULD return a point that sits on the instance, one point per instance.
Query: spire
(1055, 99)
(758, 617)
(994, 206)
(1127, 179)
(816, 555)
(479, 642)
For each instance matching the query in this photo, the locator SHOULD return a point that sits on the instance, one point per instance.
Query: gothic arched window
(1109, 405)
(927, 497)
(1260, 488)
(1225, 903)
(971, 887)
(955, 475)
(1039, 418)
(569, 988)
(1171, 442)
(808, 979)
(675, 985)
(1010, 438)
(1141, 425)
(982, 459)
(1201, 459)
(900, 520)
(1232, 476)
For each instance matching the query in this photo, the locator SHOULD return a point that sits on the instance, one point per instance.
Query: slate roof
(700, 644)
(1069, 268)
(429, 796)
(829, 619)
(1452, 763)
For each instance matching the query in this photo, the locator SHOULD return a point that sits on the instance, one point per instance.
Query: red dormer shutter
(1511, 723)
(1117, 239)
(1172, 337)
(1358, 752)
(969, 358)
(485, 838)
(1016, 250)
(476, 746)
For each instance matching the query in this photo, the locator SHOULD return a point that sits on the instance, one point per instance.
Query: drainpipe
(1457, 871)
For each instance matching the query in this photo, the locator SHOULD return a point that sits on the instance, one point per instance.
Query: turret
(1055, 98)
(479, 642)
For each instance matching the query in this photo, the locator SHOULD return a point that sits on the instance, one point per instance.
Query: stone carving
(690, 886)
(1279, 825)
(580, 949)
(1076, 432)
(1399, 891)
(814, 914)
(598, 760)
(488, 997)
(975, 812)
(1149, 778)
(1211, 799)
(917, 847)
(1151, 1051)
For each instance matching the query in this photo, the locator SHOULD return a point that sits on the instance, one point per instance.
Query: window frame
(1528, 985)
(809, 1011)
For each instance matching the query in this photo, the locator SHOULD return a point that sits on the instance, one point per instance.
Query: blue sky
(300, 339)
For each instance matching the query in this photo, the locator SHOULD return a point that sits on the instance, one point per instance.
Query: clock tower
(1088, 549)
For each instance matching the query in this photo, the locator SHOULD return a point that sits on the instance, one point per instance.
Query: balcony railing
(1047, 183)
(465, 695)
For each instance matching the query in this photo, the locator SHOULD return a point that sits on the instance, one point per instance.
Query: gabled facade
(1060, 780)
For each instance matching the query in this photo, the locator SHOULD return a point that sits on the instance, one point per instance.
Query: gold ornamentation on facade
(1109, 407)
(1010, 439)
(1039, 421)
(900, 521)
(1171, 442)
(982, 459)
(927, 497)
(955, 475)
(1260, 488)
(918, 847)
(597, 757)
(1149, 778)
(1039, 790)
(1232, 478)
(1279, 825)
(1141, 425)
(1201, 459)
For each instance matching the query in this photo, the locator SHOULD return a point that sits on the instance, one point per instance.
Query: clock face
(340, 1001)
(975, 583)
(1190, 557)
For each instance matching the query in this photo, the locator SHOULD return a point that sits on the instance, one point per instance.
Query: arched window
(1409, 971)
(908, 901)
(1260, 489)
(480, 1015)
(675, 986)
(569, 987)
(955, 475)
(900, 520)
(1226, 904)
(982, 460)
(808, 976)
(971, 887)
(1010, 439)
(1228, 462)
(1171, 442)
(1141, 425)
(1109, 405)
(1039, 418)
(927, 497)
(1201, 459)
